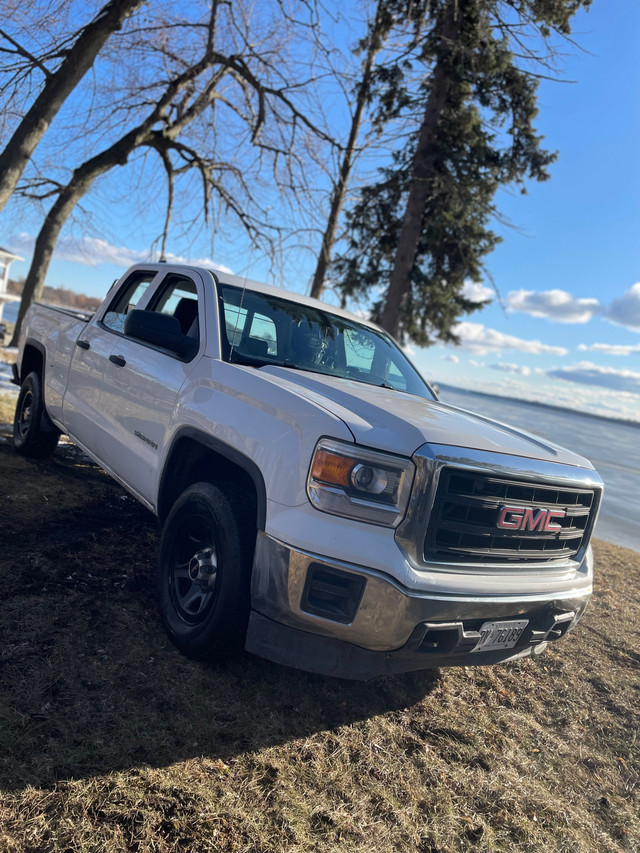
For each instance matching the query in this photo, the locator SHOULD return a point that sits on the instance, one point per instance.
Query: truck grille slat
(478, 530)
(464, 522)
(479, 502)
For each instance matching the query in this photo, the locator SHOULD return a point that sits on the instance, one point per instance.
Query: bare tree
(57, 87)
(371, 45)
(266, 118)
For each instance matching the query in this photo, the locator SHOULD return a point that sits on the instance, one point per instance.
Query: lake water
(10, 312)
(613, 448)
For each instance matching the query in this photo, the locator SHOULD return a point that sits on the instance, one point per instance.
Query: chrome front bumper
(349, 621)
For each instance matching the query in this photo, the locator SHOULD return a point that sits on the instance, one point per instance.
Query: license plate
(499, 635)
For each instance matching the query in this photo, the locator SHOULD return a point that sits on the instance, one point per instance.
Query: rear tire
(204, 566)
(34, 435)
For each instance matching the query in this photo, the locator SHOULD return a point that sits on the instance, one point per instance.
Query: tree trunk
(340, 188)
(423, 162)
(80, 183)
(57, 88)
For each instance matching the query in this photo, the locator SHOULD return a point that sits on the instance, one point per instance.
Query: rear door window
(178, 297)
(127, 298)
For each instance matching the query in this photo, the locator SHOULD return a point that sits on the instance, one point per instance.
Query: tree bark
(423, 162)
(57, 88)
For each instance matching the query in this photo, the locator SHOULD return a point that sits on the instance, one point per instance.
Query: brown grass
(111, 741)
(7, 408)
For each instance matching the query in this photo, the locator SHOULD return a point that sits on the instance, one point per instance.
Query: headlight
(348, 480)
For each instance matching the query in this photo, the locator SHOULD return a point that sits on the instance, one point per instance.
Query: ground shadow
(88, 681)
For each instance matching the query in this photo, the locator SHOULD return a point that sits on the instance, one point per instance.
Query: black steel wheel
(34, 435)
(202, 581)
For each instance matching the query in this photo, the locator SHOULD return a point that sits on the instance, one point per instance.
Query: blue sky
(566, 328)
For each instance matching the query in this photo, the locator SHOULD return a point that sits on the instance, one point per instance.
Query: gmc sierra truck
(318, 504)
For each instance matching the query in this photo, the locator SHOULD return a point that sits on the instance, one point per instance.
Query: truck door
(84, 404)
(141, 384)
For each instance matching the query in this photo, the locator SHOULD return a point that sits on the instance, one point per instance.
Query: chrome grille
(463, 525)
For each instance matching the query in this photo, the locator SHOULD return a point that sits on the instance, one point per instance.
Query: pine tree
(419, 232)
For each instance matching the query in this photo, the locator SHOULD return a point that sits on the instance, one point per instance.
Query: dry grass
(111, 741)
(7, 408)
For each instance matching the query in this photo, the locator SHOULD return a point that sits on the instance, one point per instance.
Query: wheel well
(32, 361)
(191, 461)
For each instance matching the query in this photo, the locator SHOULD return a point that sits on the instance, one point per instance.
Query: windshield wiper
(236, 357)
(254, 361)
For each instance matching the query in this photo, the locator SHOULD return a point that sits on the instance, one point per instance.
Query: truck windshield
(261, 329)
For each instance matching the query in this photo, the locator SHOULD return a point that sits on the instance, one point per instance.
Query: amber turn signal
(333, 469)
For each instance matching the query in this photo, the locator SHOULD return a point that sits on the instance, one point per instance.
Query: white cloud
(22, 242)
(475, 363)
(476, 291)
(556, 305)
(587, 373)
(452, 358)
(478, 339)
(611, 349)
(92, 251)
(562, 307)
(625, 311)
(512, 368)
(363, 314)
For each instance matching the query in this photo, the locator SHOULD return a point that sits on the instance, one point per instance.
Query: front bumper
(352, 622)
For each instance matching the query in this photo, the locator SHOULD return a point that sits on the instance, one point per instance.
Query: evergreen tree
(423, 228)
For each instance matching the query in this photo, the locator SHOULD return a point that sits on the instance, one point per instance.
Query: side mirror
(162, 330)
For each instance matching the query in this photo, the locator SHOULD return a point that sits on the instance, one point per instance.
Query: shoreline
(535, 403)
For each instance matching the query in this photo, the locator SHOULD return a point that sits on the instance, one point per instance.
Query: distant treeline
(58, 296)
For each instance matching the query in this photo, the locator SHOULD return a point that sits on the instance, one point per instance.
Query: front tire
(34, 435)
(202, 581)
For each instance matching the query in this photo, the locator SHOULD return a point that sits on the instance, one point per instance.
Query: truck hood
(401, 423)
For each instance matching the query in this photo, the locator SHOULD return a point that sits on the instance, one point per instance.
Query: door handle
(83, 344)
(117, 360)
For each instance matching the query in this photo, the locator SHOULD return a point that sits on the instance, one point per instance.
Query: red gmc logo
(521, 518)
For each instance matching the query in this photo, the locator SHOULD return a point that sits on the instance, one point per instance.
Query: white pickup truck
(318, 504)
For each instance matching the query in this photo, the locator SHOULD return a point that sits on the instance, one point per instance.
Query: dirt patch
(111, 741)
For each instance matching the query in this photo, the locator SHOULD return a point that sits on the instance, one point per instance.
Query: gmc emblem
(526, 518)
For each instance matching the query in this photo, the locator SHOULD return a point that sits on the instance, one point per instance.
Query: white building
(6, 259)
